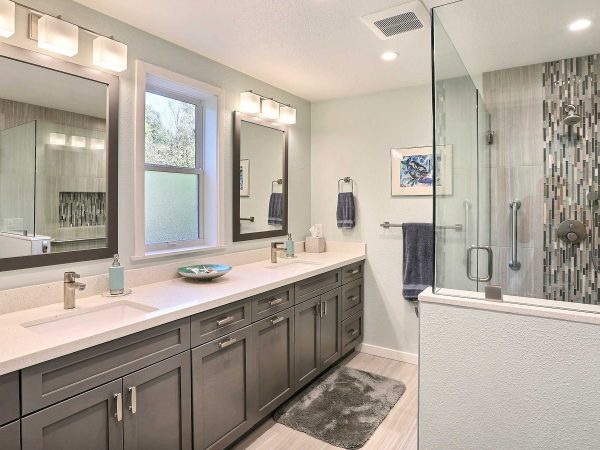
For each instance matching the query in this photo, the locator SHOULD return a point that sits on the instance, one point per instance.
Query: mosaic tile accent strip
(571, 162)
(81, 209)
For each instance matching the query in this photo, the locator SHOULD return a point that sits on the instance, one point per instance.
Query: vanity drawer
(10, 436)
(53, 381)
(9, 397)
(352, 332)
(307, 289)
(353, 272)
(352, 298)
(263, 305)
(218, 322)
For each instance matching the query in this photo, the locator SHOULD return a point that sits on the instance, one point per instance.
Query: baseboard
(389, 353)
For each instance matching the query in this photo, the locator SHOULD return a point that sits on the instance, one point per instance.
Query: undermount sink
(283, 263)
(85, 319)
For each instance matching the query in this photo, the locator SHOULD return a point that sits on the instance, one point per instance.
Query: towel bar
(279, 181)
(345, 180)
(456, 227)
(248, 219)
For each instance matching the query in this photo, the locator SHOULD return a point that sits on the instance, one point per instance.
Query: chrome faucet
(70, 285)
(274, 250)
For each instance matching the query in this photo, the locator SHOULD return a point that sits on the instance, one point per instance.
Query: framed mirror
(58, 161)
(260, 171)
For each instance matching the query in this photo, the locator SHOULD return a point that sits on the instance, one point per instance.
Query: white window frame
(208, 167)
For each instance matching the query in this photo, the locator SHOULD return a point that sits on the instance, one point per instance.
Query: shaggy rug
(343, 407)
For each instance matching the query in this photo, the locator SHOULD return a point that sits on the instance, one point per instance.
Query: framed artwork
(412, 171)
(245, 178)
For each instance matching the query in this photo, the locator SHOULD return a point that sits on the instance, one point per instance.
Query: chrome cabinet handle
(225, 321)
(514, 263)
(133, 399)
(353, 271)
(277, 320)
(227, 343)
(318, 308)
(352, 332)
(325, 307)
(275, 301)
(118, 407)
(353, 298)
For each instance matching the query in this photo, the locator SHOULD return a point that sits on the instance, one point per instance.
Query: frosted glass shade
(7, 18)
(57, 139)
(110, 54)
(97, 144)
(77, 141)
(287, 115)
(269, 109)
(58, 36)
(249, 102)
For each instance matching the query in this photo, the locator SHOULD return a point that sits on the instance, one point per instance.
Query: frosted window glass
(171, 207)
(170, 131)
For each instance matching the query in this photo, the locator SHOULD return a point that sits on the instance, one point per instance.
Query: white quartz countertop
(22, 347)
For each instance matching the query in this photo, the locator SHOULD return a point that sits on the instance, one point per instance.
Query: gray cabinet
(88, 421)
(274, 353)
(10, 436)
(9, 397)
(157, 406)
(330, 321)
(222, 372)
(307, 341)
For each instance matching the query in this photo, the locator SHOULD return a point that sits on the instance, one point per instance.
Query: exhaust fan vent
(401, 19)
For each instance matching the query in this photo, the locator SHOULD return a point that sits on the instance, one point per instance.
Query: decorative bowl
(204, 271)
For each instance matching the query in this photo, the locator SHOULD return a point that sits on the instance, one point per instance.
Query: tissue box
(314, 244)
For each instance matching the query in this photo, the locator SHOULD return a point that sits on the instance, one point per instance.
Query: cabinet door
(274, 378)
(89, 421)
(331, 319)
(222, 399)
(158, 406)
(10, 436)
(306, 341)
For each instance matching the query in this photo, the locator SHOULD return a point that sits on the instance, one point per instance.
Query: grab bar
(514, 263)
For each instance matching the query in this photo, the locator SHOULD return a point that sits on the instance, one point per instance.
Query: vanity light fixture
(287, 115)
(269, 109)
(7, 18)
(77, 141)
(250, 102)
(58, 36)
(57, 139)
(580, 24)
(110, 54)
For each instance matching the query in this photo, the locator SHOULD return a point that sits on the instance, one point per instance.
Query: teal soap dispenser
(116, 277)
(289, 246)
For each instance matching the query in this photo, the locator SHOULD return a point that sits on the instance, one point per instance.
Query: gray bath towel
(417, 261)
(276, 209)
(346, 213)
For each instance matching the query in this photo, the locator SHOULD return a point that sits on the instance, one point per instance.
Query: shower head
(572, 118)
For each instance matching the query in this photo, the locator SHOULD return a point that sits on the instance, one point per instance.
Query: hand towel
(346, 213)
(417, 260)
(276, 209)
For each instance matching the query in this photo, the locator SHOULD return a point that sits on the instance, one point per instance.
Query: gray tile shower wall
(571, 161)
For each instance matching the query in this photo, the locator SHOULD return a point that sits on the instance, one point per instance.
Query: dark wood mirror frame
(112, 126)
(238, 118)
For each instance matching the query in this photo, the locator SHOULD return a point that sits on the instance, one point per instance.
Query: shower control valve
(572, 231)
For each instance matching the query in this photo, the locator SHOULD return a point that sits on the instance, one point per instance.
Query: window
(177, 157)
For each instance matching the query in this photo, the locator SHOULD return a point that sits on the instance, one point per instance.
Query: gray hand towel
(346, 213)
(417, 260)
(276, 209)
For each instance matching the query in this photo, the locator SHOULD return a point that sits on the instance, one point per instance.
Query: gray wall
(492, 380)
(151, 49)
(353, 137)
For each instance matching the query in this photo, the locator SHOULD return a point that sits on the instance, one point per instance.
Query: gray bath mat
(343, 407)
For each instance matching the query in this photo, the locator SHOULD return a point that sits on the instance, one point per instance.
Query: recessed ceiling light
(579, 25)
(389, 56)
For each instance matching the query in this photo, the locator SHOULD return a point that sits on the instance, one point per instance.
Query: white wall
(151, 49)
(492, 380)
(352, 137)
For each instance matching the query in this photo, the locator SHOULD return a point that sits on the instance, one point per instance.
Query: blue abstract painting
(417, 171)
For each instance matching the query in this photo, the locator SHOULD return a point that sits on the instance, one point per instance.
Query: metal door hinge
(490, 137)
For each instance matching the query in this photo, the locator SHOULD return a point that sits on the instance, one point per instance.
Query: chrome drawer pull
(352, 332)
(133, 399)
(227, 343)
(325, 306)
(118, 407)
(353, 298)
(225, 321)
(353, 271)
(275, 301)
(277, 320)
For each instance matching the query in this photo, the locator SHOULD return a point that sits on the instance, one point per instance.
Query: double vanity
(177, 364)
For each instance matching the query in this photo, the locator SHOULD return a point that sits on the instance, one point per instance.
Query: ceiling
(316, 49)
(320, 49)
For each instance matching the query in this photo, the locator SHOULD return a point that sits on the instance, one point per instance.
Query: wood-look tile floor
(398, 431)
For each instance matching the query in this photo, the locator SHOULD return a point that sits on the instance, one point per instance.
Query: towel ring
(345, 180)
(279, 181)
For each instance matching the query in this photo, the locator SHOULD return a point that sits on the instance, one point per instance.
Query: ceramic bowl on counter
(204, 271)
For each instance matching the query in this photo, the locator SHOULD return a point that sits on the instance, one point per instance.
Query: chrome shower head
(572, 118)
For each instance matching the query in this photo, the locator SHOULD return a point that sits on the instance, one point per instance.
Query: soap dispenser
(289, 246)
(116, 277)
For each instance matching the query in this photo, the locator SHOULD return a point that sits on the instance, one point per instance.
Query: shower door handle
(514, 263)
(490, 265)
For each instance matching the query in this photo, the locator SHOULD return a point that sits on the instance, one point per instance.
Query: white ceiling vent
(398, 20)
